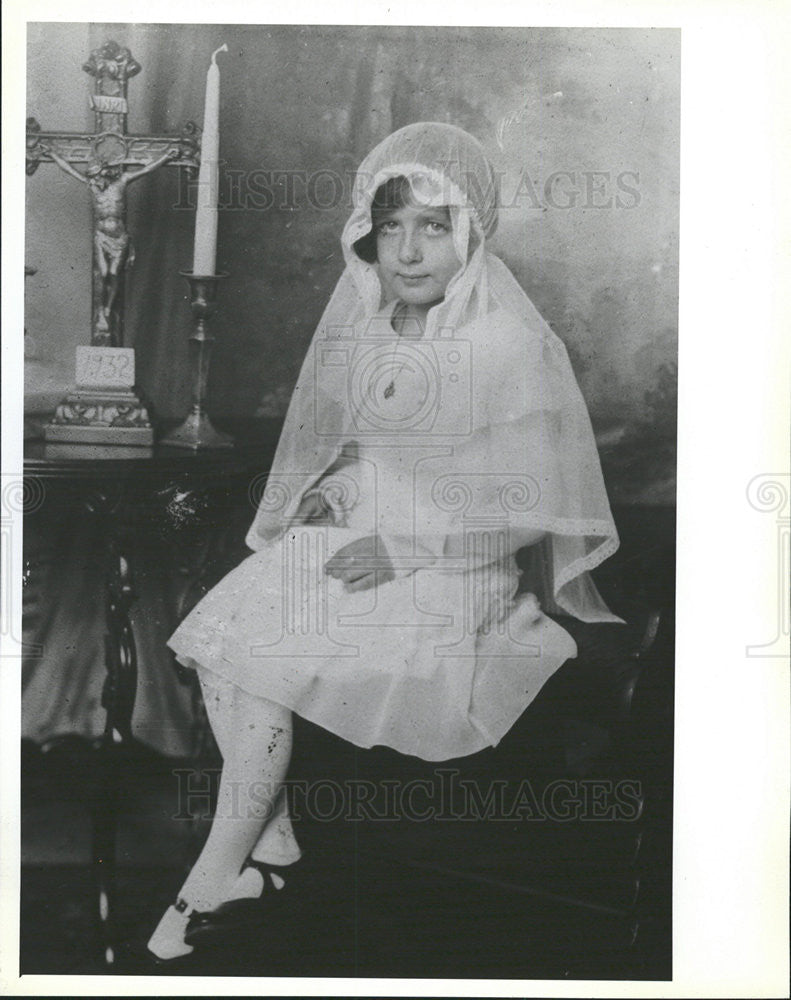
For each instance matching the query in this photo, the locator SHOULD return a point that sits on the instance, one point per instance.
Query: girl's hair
(395, 193)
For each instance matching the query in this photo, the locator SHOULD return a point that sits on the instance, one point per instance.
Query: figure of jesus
(112, 248)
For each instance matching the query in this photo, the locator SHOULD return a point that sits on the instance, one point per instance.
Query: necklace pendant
(389, 390)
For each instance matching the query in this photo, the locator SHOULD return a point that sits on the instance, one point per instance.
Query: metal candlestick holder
(196, 431)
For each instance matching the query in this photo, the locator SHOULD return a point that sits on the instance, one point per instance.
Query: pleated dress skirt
(438, 663)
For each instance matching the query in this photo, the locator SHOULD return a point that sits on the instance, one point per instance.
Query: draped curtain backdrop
(581, 124)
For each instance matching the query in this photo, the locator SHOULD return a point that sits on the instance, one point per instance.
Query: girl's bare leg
(256, 756)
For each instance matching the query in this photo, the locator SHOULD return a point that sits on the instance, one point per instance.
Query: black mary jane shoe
(237, 916)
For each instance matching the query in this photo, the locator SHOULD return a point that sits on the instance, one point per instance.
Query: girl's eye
(431, 227)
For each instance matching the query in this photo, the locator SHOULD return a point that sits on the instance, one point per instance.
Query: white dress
(438, 662)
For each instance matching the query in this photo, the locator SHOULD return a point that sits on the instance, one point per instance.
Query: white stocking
(256, 747)
(277, 843)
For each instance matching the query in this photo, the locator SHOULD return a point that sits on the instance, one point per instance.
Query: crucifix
(105, 408)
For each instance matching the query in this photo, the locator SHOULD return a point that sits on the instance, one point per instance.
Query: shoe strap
(267, 870)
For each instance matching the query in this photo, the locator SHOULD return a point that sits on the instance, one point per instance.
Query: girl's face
(415, 254)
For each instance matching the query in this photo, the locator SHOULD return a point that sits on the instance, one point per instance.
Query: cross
(111, 159)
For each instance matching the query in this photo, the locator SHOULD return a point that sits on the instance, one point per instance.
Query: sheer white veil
(516, 446)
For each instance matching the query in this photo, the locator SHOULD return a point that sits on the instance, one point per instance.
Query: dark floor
(351, 911)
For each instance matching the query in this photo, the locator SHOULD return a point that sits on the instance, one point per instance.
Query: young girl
(435, 429)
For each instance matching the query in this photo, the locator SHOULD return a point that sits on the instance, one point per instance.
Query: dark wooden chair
(571, 812)
(573, 809)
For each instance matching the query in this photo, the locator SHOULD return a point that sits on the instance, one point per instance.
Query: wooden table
(127, 491)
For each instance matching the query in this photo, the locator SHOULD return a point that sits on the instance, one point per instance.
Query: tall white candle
(205, 253)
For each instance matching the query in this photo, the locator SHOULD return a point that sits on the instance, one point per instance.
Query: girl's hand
(362, 564)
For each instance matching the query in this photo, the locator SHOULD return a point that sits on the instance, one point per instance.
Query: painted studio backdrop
(582, 126)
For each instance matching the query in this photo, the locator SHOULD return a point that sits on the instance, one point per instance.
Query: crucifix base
(104, 408)
(91, 417)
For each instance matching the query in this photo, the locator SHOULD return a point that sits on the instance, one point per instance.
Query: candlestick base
(196, 433)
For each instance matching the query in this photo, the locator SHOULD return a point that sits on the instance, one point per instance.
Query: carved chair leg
(118, 699)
